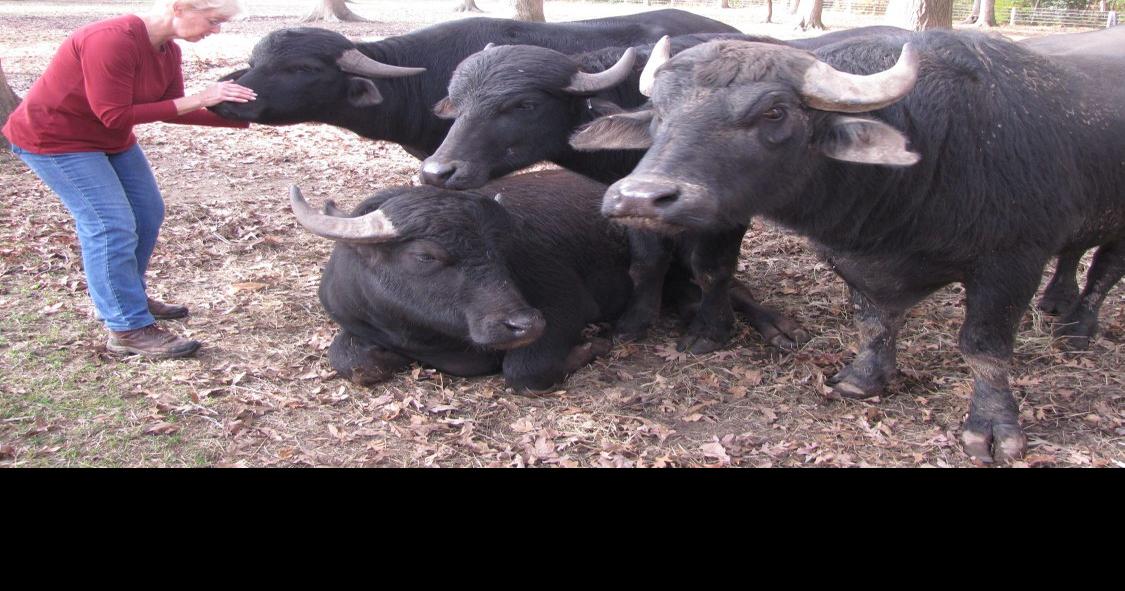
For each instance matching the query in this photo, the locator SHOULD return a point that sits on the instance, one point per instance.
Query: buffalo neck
(404, 116)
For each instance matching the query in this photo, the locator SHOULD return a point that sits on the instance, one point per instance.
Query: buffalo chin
(648, 224)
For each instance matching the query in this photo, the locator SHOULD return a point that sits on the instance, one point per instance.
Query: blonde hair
(227, 8)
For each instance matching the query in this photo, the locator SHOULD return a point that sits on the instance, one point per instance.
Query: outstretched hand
(225, 91)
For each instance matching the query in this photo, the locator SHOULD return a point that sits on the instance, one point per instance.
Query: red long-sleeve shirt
(106, 78)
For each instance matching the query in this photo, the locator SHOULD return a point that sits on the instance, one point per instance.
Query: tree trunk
(987, 16)
(8, 102)
(468, 6)
(794, 5)
(724, 3)
(972, 18)
(810, 15)
(333, 11)
(529, 10)
(919, 15)
(985, 7)
(769, 11)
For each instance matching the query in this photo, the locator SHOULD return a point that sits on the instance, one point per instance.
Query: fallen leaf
(161, 428)
(523, 425)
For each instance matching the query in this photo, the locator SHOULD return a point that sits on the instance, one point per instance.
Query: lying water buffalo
(378, 89)
(971, 160)
(504, 278)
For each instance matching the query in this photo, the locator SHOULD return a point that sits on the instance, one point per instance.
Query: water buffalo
(378, 90)
(958, 157)
(504, 278)
(1100, 55)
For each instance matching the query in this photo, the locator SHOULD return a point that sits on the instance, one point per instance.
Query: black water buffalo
(472, 282)
(1100, 55)
(315, 75)
(518, 105)
(971, 160)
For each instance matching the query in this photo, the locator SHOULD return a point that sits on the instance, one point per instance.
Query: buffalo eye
(425, 258)
(774, 114)
(527, 106)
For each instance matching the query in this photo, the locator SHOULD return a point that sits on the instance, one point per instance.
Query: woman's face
(192, 24)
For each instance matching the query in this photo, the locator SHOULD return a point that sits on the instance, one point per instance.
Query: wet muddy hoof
(852, 383)
(698, 344)
(994, 442)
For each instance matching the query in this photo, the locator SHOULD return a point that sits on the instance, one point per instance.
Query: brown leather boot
(152, 342)
(159, 311)
(162, 311)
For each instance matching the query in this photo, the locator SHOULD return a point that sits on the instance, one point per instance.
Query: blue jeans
(117, 210)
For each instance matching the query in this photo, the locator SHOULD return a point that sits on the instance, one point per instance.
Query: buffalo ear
(625, 131)
(444, 109)
(235, 75)
(362, 92)
(866, 141)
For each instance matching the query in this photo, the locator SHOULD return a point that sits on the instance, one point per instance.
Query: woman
(75, 130)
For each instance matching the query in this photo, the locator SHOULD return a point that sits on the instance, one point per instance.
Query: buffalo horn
(583, 83)
(661, 52)
(829, 89)
(354, 62)
(369, 228)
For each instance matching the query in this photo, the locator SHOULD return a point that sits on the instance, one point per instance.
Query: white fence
(1049, 17)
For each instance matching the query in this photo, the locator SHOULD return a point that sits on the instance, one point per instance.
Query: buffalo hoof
(851, 382)
(994, 441)
(1057, 302)
(777, 330)
(629, 331)
(1075, 336)
(581, 355)
(700, 344)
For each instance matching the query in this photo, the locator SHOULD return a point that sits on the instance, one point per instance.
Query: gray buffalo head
(308, 74)
(434, 260)
(514, 105)
(735, 128)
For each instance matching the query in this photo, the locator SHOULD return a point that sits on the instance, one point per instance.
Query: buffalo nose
(436, 172)
(526, 323)
(643, 198)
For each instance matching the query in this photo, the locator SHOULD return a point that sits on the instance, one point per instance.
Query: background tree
(982, 7)
(809, 14)
(332, 11)
(769, 11)
(468, 6)
(529, 10)
(919, 15)
(8, 102)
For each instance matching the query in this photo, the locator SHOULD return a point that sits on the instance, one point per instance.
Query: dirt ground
(261, 392)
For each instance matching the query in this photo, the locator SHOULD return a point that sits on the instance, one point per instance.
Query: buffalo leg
(651, 255)
(995, 301)
(363, 363)
(1081, 321)
(546, 362)
(872, 369)
(1062, 291)
(714, 258)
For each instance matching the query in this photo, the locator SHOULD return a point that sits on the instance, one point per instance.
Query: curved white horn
(829, 89)
(354, 62)
(369, 228)
(583, 83)
(661, 52)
